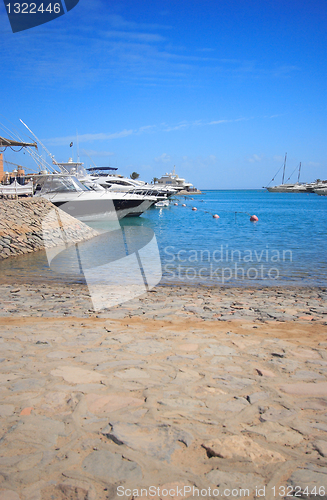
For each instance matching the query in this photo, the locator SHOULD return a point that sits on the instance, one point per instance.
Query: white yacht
(282, 188)
(102, 176)
(117, 182)
(296, 187)
(174, 181)
(68, 193)
(163, 203)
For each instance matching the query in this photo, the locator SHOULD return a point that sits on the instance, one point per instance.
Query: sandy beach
(192, 392)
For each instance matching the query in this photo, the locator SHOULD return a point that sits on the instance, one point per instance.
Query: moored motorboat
(322, 191)
(160, 204)
(172, 180)
(68, 193)
(15, 189)
(104, 177)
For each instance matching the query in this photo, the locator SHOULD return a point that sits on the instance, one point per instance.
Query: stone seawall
(34, 224)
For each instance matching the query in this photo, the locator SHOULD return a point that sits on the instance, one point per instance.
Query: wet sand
(183, 389)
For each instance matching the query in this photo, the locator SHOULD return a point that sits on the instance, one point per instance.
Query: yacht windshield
(60, 184)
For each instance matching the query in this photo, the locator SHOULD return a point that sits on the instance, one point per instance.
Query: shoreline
(225, 303)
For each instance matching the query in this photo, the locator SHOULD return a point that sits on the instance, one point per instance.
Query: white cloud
(255, 158)
(285, 70)
(146, 128)
(176, 127)
(92, 152)
(218, 122)
(61, 141)
(163, 127)
(118, 21)
(101, 136)
(278, 158)
(198, 163)
(140, 37)
(314, 164)
(164, 158)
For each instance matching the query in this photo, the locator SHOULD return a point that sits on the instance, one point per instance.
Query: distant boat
(288, 187)
(322, 191)
(15, 189)
(174, 181)
(164, 203)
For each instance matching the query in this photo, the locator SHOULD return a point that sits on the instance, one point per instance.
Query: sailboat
(288, 187)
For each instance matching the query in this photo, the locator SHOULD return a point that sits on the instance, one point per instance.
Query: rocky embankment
(194, 393)
(33, 224)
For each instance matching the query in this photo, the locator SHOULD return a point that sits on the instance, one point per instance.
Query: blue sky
(221, 89)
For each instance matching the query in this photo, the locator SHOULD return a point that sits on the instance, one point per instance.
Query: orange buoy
(253, 218)
(183, 205)
(215, 216)
(194, 208)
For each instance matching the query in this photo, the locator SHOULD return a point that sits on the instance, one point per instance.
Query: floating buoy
(183, 205)
(215, 216)
(194, 208)
(253, 218)
(175, 204)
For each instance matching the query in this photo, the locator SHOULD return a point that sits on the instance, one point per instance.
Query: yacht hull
(321, 191)
(107, 209)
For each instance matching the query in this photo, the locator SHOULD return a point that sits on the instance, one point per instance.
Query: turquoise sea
(286, 246)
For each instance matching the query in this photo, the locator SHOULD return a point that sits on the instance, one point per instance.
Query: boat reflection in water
(126, 263)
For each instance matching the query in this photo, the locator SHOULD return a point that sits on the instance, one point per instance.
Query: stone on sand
(111, 402)
(111, 467)
(232, 480)
(220, 350)
(241, 447)
(76, 375)
(265, 373)
(134, 374)
(77, 490)
(257, 396)
(36, 430)
(306, 389)
(9, 495)
(155, 441)
(276, 433)
(321, 447)
(308, 478)
(6, 411)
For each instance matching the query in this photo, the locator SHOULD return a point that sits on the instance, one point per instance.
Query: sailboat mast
(77, 146)
(284, 169)
(298, 177)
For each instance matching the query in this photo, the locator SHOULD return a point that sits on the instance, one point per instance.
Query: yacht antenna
(298, 177)
(77, 146)
(43, 146)
(284, 169)
(89, 157)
